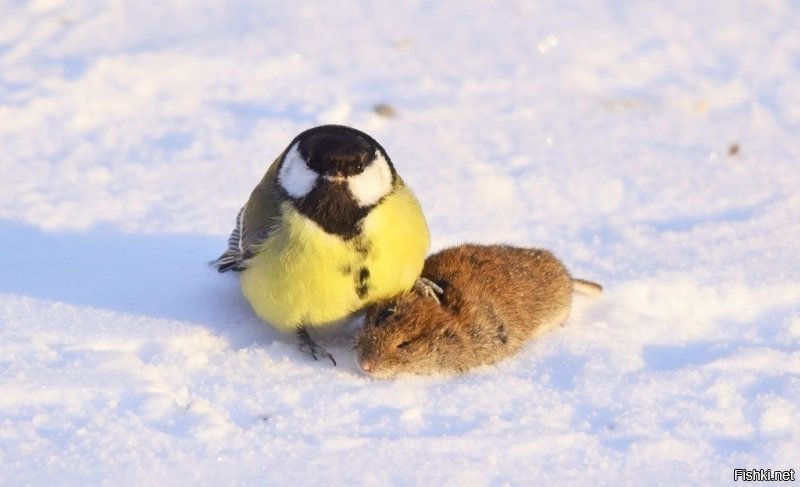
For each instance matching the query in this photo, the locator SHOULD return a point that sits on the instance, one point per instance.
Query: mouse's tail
(587, 287)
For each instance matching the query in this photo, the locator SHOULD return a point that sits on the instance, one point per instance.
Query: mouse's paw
(428, 289)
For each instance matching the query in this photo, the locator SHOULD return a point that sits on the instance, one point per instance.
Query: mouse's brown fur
(495, 299)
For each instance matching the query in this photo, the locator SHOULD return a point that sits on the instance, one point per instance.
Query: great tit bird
(330, 229)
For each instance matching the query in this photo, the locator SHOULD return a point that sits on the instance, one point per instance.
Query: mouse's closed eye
(411, 344)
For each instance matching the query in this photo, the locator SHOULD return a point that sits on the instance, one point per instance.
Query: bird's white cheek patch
(372, 184)
(295, 176)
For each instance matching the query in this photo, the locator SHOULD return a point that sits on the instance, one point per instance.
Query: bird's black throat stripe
(331, 206)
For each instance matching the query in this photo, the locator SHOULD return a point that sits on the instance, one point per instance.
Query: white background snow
(131, 132)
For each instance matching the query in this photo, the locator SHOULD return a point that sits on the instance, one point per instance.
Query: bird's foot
(428, 289)
(309, 346)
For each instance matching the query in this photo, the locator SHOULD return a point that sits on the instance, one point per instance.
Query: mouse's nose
(366, 365)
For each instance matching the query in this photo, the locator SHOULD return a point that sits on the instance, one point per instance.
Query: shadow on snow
(162, 276)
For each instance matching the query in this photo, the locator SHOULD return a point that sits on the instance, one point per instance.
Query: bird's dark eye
(359, 166)
(404, 345)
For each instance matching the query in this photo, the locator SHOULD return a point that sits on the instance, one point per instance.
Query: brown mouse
(495, 298)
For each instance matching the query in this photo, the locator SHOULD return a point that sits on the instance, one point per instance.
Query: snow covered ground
(651, 145)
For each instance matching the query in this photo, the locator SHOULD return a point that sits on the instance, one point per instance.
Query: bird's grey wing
(255, 222)
(234, 257)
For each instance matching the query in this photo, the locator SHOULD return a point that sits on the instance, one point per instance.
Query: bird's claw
(309, 346)
(428, 289)
(318, 351)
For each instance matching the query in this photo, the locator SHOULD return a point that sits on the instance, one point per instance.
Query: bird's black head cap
(332, 150)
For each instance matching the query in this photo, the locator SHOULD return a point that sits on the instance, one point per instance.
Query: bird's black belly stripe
(362, 246)
(362, 282)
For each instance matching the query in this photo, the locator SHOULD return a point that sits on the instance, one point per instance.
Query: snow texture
(653, 146)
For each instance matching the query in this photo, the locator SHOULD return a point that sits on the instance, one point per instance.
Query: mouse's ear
(384, 313)
(377, 312)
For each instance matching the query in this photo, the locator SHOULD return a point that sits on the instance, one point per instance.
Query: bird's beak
(336, 179)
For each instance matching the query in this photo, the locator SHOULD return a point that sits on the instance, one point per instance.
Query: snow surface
(651, 145)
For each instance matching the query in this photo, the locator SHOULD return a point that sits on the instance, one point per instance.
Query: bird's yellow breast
(302, 275)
